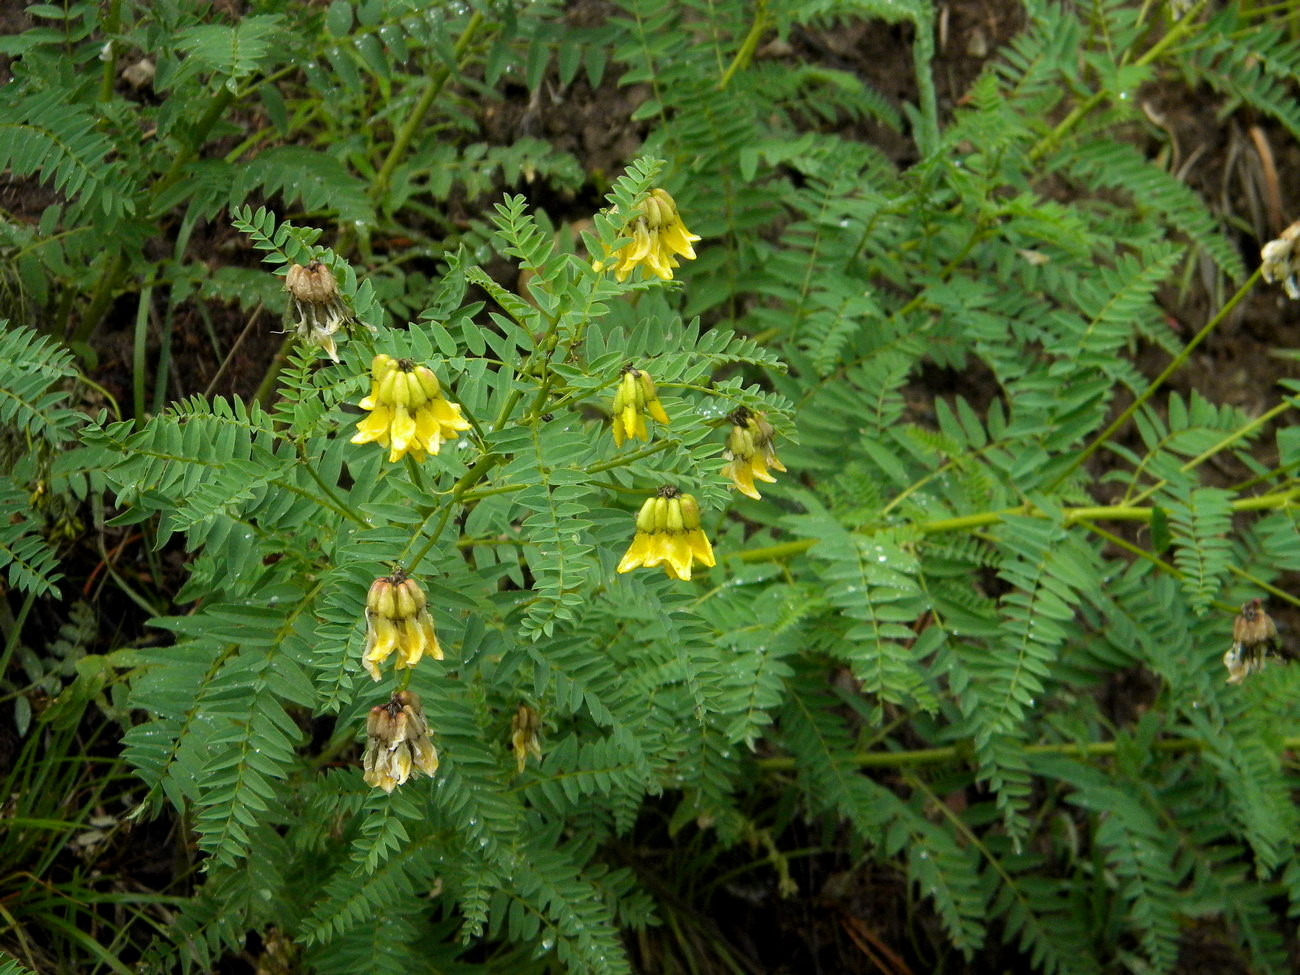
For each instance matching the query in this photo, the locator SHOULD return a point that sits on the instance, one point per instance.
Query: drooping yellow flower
(750, 451)
(397, 743)
(668, 534)
(1281, 260)
(524, 727)
(659, 237)
(397, 618)
(408, 413)
(316, 306)
(635, 397)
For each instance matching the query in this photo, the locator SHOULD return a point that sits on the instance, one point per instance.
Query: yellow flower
(1281, 260)
(408, 413)
(315, 305)
(635, 397)
(397, 618)
(658, 238)
(523, 735)
(668, 534)
(397, 743)
(750, 451)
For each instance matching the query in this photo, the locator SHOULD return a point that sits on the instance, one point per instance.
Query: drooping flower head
(1281, 260)
(408, 413)
(750, 451)
(397, 618)
(397, 743)
(1254, 634)
(316, 307)
(668, 534)
(635, 397)
(659, 237)
(524, 727)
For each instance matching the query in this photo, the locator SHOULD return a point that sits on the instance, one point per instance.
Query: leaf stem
(960, 752)
(414, 120)
(1104, 512)
(1156, 383)
(748, 46)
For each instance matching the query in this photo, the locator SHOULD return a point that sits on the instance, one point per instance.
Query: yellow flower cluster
(1281, 260)
(668, 534)
(397, 619)
(635, 397)
(750, 451)
(397, 743)
(408, 413)
(524, 727)
(659, 237)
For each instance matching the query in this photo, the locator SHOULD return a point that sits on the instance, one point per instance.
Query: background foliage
(967, 650)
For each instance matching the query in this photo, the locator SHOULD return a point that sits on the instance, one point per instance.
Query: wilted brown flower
(397, 743)
(1281, 261)
(1254, 635)
(315, 305)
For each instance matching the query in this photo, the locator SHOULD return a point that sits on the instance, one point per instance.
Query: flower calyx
(397, 619)
(635, 397)
(408, 413)
(668, 534)
(750, 452)
(397, 743)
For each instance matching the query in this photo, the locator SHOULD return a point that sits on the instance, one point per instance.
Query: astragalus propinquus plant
(764, 529)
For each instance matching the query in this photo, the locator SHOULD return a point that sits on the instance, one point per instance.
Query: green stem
(198, 135)
(111, 25)
(333, 501)
(402, 141)
(961, 752)
(1223, 444)
(1156, 383)
(1264, 502)
(748, 46)
(476, 473)
(1081, 111)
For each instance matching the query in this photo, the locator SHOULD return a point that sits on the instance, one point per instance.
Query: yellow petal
(402, 429)
(742, 477)
(701, 549)
(677, 554)
(657, 411)
(431, 645)
(449, 417)
(641, 550)
(428, 431)
(374, 426)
